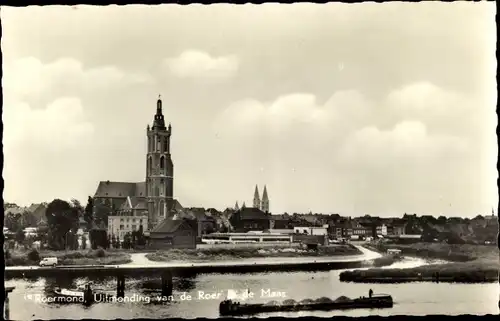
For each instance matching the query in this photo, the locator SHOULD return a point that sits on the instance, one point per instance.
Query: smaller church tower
(256, 198)
(236, 206)
(265, 201)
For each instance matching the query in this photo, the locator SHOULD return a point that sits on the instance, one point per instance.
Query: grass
(218, 254)
(78, 257)
(468, 264)
(443, 251)
(385, 261)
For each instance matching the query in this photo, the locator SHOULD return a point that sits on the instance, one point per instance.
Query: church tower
(159, 168)
(256, 198)
(265, 201)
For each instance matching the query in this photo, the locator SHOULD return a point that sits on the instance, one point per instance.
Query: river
(410, 298)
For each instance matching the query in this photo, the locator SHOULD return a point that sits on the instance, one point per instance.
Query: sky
(379, 109)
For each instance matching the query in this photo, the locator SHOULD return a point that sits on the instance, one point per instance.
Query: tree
(102, 210)
(29, 220)
(13, 222)
(127, 241)
(88, 215)
(442, 220)
(84, 242)
(20, 236)
(61, 218)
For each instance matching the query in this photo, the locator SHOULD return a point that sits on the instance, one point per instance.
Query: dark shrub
(33, 255)
(100, 252)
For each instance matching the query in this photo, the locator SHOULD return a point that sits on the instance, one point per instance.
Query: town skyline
(379, 123)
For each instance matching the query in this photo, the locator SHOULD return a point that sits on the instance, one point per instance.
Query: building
(359, 230)
(205, 221)
(262, 205)
(280, 222)
(382, 229)
(174, 234)
(250, 219)
(396, 228)
(155, 194)
(311, 230)
(120, 225)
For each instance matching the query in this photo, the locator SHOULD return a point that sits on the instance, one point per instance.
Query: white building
(120, 225)
(382, 230)
(311, 230)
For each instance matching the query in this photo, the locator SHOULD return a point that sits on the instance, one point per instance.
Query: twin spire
(263, 204)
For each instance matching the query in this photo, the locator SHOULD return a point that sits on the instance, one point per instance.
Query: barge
(233, 308)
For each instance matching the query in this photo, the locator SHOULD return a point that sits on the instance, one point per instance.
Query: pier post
(6, 308)
(166, 283)
(88, 296)
(120, 287)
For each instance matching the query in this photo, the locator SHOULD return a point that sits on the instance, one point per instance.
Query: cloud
(198, 64)
(407, 142)
(31, 77)
(349, 148)
(60, 125)
(44, 149)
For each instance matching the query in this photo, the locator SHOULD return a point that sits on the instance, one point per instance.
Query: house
(174, 234)
(133, 206)
(119, 225)
(205, 221)
(280, 222)
(360, 230)
(382, 229)
(396, 228)
(250, 219)
(38, 211)
(315, 230)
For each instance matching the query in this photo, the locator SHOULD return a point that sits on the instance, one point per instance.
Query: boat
(233, 308)
(78, 295)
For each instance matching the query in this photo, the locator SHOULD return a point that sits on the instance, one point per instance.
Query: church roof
(120, 189)
(251, 213)
(169, 226)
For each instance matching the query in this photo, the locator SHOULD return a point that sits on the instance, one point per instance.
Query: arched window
(163, 212)
(165, 141)
(162, 162)
(149, 143)
(150, 165)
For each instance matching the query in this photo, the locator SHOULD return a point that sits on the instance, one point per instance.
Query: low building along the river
(174, 234)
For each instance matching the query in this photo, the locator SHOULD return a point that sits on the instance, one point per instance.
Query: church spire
(159, 121)
(236, 206)
(265, 201)
(256, 198)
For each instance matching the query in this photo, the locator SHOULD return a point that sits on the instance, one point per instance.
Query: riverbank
(467, 264)
(224, 254)
(78, 257)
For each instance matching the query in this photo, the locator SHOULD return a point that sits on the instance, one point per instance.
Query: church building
(154, 196)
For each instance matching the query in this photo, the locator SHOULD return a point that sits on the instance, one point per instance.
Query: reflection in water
(419, 298)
